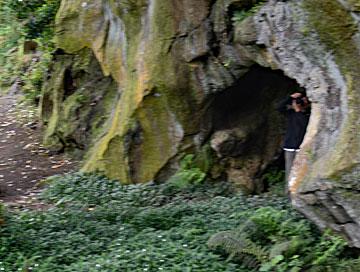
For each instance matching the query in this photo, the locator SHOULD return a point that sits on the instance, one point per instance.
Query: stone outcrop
(316, 43)
(189, 74)
(76, 102)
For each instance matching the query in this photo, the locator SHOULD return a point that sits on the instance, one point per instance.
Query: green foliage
(278, 240)
(23, 8)
(27, 19)
(34, 76)
(95, 224)
(240, 15)
(41, 22)
(188, 174)
(10, 66)
(20, 21)
(10, 30)
(329, 247)
(2, 214)
(37, 15)
(239, 247)
(274, 176)
(11, 33)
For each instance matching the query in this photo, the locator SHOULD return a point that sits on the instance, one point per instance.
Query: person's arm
(287, 103)
(284, 105)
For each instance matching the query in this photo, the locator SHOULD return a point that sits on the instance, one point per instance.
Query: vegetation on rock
(139, 121)
(240, 15)
(187, 174)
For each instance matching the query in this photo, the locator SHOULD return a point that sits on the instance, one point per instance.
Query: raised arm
(284, 105)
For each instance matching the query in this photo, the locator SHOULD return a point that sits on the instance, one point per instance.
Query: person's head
(301, 102)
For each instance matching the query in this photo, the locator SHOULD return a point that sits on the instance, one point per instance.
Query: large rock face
(187, 77)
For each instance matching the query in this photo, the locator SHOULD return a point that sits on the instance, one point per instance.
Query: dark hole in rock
(69, 87)
(257, 92)
(59, 51)
(244, 127)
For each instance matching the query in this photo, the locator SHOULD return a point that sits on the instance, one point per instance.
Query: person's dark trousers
(289, 159)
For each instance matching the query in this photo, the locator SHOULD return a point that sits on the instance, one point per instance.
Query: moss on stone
(336, 28)
(333, 23)
(74, 113)
(150, 99)
(50, 104)
(159, 138)
(204, 159)
(354, 5)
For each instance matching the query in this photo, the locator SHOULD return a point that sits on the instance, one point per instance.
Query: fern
(260, 253)
(238, 246)
(328, 248)
(230, 241)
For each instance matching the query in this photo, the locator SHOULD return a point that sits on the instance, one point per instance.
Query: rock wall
(176, 62)
(76, 102)
(317, 43)
(168, 60)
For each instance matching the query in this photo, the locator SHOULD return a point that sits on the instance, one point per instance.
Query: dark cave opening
(69, 87)
(258, 88)
(243, 124)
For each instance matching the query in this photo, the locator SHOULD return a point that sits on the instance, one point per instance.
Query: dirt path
(23, 161)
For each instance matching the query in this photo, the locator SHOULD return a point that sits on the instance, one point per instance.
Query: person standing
(296, 107)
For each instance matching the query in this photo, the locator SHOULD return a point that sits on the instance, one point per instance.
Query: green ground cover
(99, 225)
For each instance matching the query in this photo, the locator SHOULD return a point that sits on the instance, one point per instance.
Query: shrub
(274, 180)
(37, 15)
(188, 174)
(40, 23)
(278, 240)
(274, 176)
(35, 75)
(23, 9)
(20, 21)
(11, 33)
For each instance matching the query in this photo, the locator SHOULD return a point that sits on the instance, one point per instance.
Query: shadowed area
(245, 129)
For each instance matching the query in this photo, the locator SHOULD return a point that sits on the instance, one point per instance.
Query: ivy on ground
(95, 224)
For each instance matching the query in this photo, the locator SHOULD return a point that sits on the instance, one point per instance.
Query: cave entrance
(246, 130)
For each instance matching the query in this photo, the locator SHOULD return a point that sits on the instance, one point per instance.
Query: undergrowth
(240, 15)
(274, 178)
(22, 21)
(188, 174)
(94, 224)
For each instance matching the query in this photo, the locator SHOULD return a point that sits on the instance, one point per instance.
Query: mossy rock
(76, 102)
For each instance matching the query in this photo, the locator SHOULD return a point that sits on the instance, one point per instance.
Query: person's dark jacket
(296, 124)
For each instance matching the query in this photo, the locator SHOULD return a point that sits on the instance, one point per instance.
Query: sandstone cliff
(137, 84)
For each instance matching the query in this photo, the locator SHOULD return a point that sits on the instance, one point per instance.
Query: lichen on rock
(76, 102)
(172, 77)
